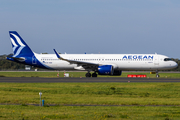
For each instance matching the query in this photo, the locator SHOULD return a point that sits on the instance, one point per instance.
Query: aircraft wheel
(157, 75)
(94, 75)
(88, 74)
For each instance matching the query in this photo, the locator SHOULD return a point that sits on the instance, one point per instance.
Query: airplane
(101, 64)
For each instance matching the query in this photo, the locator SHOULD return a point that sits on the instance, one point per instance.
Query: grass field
(137, 94)
(92, 93)
(80, 74)
(145, 101)
(88, 113)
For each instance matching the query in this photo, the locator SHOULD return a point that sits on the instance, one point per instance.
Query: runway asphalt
(74, 80)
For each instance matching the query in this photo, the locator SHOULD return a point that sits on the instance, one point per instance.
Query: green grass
(80, 74)
(89, 113)
(92, 93)
(61, 94)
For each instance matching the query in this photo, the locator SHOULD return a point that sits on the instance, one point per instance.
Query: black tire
(94, 75)
(88, 74)
(157, 75)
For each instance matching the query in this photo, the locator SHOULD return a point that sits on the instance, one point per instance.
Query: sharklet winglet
(57, 54)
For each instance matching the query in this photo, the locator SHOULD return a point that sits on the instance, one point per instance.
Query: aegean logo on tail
(17, 44)
(17, 40)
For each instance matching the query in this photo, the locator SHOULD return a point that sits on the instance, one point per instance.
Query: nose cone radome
(174, 64)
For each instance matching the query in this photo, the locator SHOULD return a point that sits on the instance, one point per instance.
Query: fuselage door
(156, 60)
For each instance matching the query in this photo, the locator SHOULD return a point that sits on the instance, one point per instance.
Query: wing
(85, 65)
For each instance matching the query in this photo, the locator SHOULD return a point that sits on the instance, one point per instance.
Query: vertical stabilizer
(20, 48)
(22, 52)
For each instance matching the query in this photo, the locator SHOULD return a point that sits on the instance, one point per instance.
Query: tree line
(9, 65)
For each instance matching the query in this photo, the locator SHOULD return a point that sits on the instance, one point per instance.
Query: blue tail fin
(22, 53)
(20, 48)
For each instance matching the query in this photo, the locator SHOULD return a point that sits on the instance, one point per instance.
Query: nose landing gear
(157, 75)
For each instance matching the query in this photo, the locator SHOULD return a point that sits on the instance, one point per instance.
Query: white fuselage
(119, 61)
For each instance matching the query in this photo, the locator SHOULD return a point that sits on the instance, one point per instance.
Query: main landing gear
(94, 75)
(89, 74)
(157, 75)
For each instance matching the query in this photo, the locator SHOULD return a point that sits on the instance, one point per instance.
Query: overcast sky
(93, 26)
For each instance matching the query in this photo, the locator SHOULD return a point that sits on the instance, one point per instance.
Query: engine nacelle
(105, 70)
(108, 70)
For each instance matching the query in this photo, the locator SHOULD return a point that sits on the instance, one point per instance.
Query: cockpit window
(167, 59)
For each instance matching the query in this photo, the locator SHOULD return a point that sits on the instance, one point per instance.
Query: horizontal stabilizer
(21, 59)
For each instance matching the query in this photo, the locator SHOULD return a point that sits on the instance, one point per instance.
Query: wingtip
(54, 50)
(56, 53)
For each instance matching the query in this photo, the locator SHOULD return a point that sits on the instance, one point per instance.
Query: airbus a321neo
(102, 64)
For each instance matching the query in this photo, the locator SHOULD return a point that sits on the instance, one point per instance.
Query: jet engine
(108, 70)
